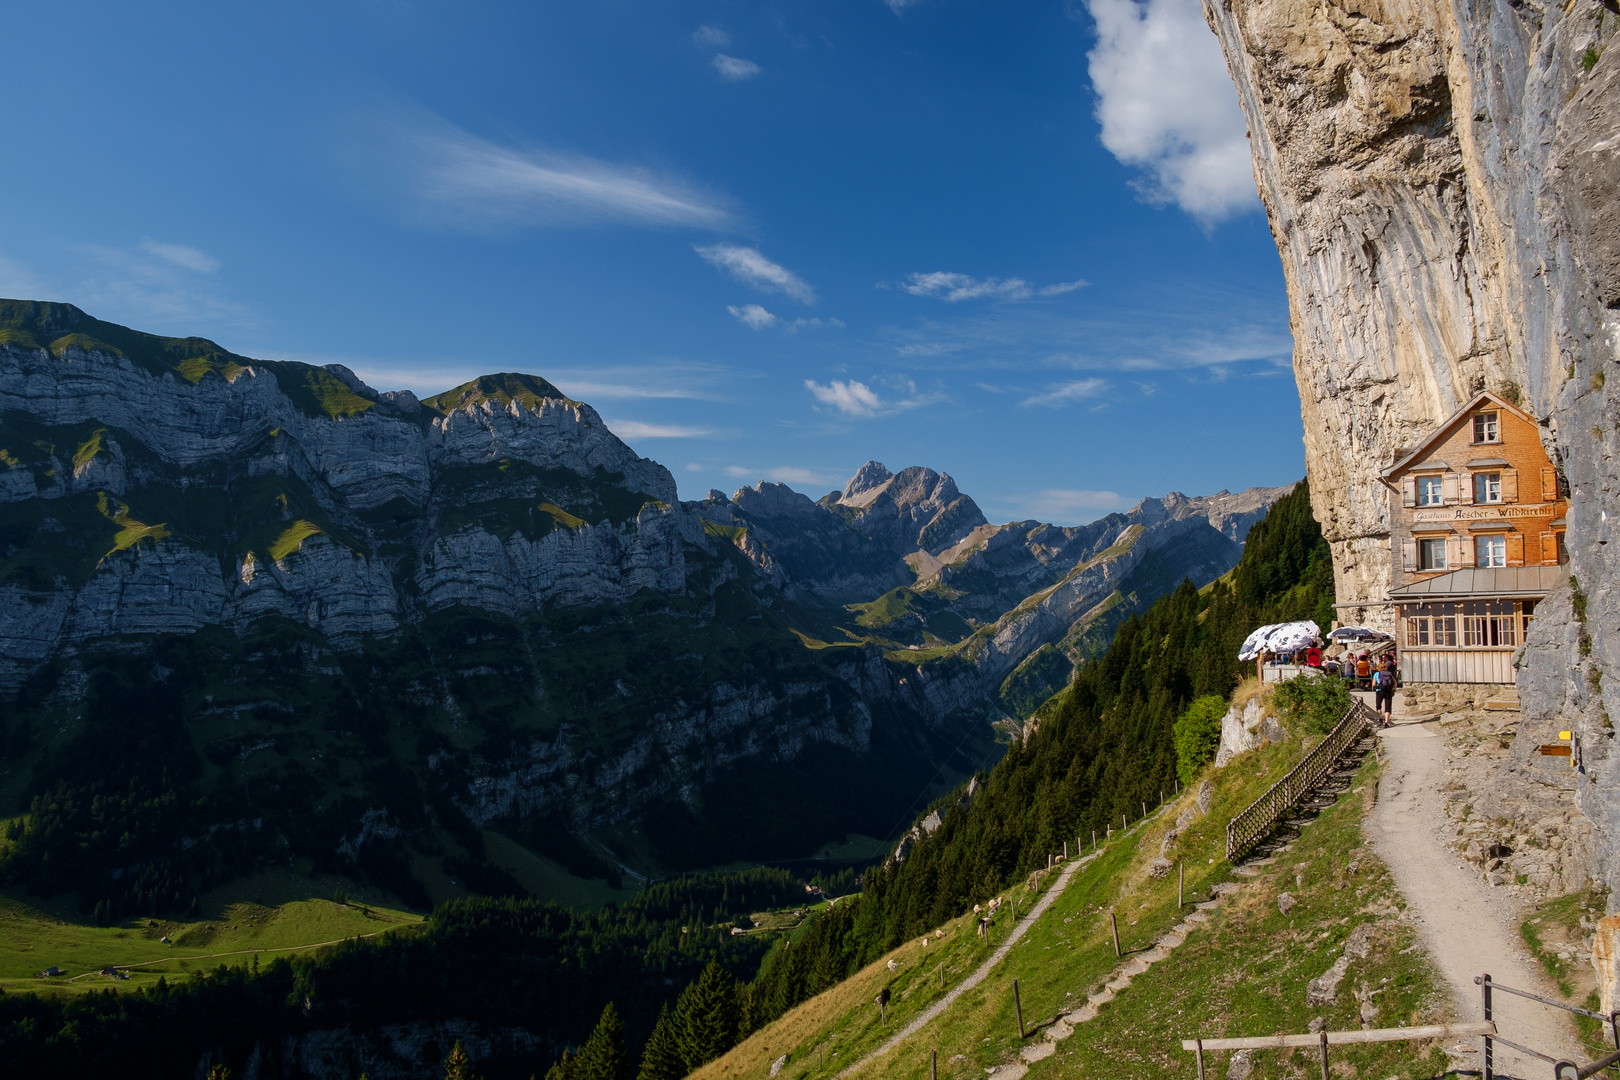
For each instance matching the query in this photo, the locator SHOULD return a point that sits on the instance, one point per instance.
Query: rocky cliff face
(1440, 179)
(219, 500)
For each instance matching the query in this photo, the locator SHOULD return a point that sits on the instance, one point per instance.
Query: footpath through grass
(1242, 973)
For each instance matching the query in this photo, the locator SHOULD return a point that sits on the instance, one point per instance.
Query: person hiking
(1384, 690)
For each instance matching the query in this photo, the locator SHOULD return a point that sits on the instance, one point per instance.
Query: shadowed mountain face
(374, 626)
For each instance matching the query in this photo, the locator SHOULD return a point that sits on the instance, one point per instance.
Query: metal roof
(1532, 582)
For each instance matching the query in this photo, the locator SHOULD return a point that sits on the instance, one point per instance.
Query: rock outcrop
(1440, 179)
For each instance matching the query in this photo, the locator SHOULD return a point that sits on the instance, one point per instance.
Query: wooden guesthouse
(1477, 527)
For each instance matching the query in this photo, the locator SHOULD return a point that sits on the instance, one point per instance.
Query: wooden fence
(1262, 815)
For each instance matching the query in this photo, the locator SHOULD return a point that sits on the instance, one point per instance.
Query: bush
(1198, 736)
(1313, 703)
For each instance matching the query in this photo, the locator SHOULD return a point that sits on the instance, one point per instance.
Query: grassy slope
(1242, 973)
(35, 936)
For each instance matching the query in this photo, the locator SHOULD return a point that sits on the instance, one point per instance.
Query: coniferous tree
(603, 1057)
(563, 1069)
(661, 1059)
(457, 1065)
(707, 1017)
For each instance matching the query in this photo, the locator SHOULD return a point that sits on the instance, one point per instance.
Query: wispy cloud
(953, 288)
(187, 257)
(1065, 506)
(752, 316)
(812, 324)
(898, 6)
(635, 429)
(1067, 393)
(747, 265)
(1167, 105)
(710, 37)
(162, 285)
(18, 282)
(734, 68)
(446, 177)
(641, 382)
(787, 474)
(1063, 287)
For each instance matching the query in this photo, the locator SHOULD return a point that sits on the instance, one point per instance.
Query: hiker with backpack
(1383, 683)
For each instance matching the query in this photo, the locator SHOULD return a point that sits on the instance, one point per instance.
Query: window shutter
(1408, 490)
(1409, 555)
(1459, 552)
(1515, 549)
(1549, 549)
(1465, 489)
(1510, 486)
(1549, 484)
(1448, 489)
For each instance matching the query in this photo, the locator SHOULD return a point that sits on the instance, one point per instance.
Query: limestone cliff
(1441, 178)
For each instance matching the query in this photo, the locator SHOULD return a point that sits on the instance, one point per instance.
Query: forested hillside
(1106, 748)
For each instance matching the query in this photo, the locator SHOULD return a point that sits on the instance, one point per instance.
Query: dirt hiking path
(1053, 891)
(1468, 927)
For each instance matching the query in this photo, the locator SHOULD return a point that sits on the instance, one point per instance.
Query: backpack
(1383, 680)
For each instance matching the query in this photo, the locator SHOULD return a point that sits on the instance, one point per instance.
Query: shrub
(1198, 736)
(1313, 703)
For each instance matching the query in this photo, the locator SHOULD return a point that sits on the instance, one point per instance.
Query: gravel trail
(1467, 926)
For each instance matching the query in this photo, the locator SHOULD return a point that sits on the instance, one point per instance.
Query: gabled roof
(1444, 430)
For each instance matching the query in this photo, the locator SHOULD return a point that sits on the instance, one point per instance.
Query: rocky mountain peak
(866, 484)
(767, 499)
(529, 391)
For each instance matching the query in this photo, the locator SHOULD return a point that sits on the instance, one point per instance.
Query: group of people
(1362, 672)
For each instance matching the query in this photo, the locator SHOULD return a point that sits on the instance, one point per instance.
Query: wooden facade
(1476, 525)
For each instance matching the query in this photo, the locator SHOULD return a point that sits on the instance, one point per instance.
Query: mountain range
(371, 631)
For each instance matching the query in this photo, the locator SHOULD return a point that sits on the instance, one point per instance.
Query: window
(1429, 491)
(1417, 631)
(1490, 624)
(1490, 551)
(1485, 428)
(1432, 554)
(1433, 625)
(1487, 487)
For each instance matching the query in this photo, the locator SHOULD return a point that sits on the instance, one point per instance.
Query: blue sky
(1017, 243)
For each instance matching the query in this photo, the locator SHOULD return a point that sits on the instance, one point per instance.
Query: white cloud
(746, 264)
(635, 429)
(850, 398)
(711, 37)
(1167, 105)
(752, 316)
(448, 177)
(734, 68)
(188, 257)
(1066, 506)
(952, 288)
(1067, 393)
(897, 6)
